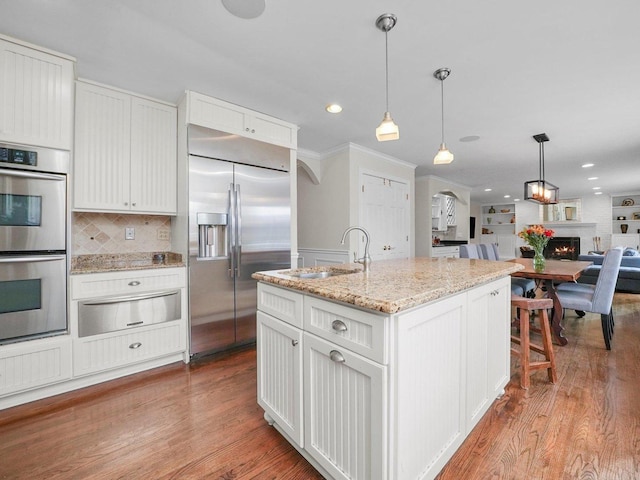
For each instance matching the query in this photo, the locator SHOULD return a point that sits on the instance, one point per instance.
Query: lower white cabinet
(279, 353)
(445, 252)
(28, 365)
(383, 396)
(628, 240)
(345, 410)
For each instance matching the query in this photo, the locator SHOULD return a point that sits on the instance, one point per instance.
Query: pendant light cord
(442, 108)
(386, 66)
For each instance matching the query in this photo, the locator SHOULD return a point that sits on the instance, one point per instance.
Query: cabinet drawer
(361, 332)
(93, 285)
(281, 303)
(102, 352)
(36, 363)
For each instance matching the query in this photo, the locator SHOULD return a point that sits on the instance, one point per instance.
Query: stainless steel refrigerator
(239, 223)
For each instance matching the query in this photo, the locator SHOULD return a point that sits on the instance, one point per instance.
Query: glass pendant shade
(387, 130)
(443, 156)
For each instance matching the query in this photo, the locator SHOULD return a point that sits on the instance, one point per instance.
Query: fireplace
(563, 248)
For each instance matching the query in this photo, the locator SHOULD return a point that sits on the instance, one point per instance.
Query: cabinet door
(279, 358)
(506, 246)
(344, 410)
(216, 114)
(36, 97)
(488, 338)
(625, 240)
(102, 149)
(153, 157)
(270, 130)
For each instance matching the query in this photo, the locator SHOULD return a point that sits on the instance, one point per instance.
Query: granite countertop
(393, 285)
(113, 262)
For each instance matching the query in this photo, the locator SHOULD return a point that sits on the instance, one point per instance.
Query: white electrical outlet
(129, 233)
(164, 234)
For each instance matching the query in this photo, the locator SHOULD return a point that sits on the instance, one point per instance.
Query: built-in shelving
(625, 220)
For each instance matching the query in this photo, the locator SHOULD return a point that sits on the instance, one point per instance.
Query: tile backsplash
(105, 233)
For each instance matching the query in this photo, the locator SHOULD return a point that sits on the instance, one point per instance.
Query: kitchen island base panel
(446, 362)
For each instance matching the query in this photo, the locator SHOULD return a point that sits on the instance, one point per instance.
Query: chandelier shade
(444, 156)
(541, 191)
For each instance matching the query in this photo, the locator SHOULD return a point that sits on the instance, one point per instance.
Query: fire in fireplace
(563, 248)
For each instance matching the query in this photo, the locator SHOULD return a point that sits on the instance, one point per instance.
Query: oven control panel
(20, 157)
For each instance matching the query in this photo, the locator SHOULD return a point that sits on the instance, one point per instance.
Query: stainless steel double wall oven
(33, 242)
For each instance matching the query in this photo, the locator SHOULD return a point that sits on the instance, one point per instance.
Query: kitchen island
(382, 375)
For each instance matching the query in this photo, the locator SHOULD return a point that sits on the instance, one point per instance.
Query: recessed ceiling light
(333, 108)
(507, 196)
(597, 193)
(516, 199)
(470, 138)
(592, 178)
(587, 165)
(596, 188)
(244, 8)
(487, 189)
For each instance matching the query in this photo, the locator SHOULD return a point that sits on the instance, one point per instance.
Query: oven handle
(36, 175)
(130, 298)
(34, 258)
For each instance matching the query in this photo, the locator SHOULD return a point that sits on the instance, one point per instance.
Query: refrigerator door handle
(231, 231)
(238, 230)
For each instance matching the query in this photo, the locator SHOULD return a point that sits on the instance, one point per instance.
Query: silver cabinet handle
(130, 298)
(135, 345)
(35, 258)
(294, 342)
(133, 283)
(339, 326)
(336, 356)
(126, 204)
(133, 204)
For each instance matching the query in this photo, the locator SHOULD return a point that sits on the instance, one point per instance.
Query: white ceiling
(569, 68)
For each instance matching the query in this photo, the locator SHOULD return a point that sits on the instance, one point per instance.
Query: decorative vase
(492, 210)
(624, 227)
(538, 259)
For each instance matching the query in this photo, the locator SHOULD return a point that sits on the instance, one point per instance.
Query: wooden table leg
(556, 319)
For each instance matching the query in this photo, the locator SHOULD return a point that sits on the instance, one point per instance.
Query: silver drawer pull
(339, 326)
(336, 356)
(294, 342)
(133, 346)
(134, 283)
(135, 323)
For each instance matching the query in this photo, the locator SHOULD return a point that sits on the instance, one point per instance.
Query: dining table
(555, 271)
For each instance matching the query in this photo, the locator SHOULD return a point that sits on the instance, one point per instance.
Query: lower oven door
(33, 297)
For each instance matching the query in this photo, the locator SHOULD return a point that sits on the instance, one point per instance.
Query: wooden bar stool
(525, 305)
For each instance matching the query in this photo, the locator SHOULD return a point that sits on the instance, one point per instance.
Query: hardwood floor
(202, 421)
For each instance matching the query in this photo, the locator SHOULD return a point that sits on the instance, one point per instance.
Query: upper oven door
(32, 211)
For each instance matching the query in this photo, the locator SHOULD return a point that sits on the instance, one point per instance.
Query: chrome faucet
(366, 260)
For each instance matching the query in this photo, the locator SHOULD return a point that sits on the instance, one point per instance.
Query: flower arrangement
(537, 236)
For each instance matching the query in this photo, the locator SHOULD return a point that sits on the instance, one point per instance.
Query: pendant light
(443, 156)
(540, 190)
(387, 130)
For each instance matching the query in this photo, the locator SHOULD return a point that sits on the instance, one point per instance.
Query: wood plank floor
(202, 421)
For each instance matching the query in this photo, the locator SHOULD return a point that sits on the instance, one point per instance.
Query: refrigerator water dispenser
(212, 235)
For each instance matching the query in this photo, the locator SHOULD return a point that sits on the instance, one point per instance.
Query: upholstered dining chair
(489, 251)
(596, 298)
(472, 250)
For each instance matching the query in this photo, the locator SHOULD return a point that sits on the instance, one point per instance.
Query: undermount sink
(317, 274)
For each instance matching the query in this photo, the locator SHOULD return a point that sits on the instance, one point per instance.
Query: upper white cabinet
(443, 212)
(125, 152)
(226, 117)
(36, 96)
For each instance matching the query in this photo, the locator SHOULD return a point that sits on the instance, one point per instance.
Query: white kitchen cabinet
(488, 345)
(279, 358)
(134, 344)
(385, 215)
(443, 212)
(345, 411)
(226, 117)
(449, 251)
(37, 363)
(506, 244)
(386, 396)
(36, 95)
(125, 152)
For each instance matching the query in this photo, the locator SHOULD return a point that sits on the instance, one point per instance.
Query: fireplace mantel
(569, 224)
